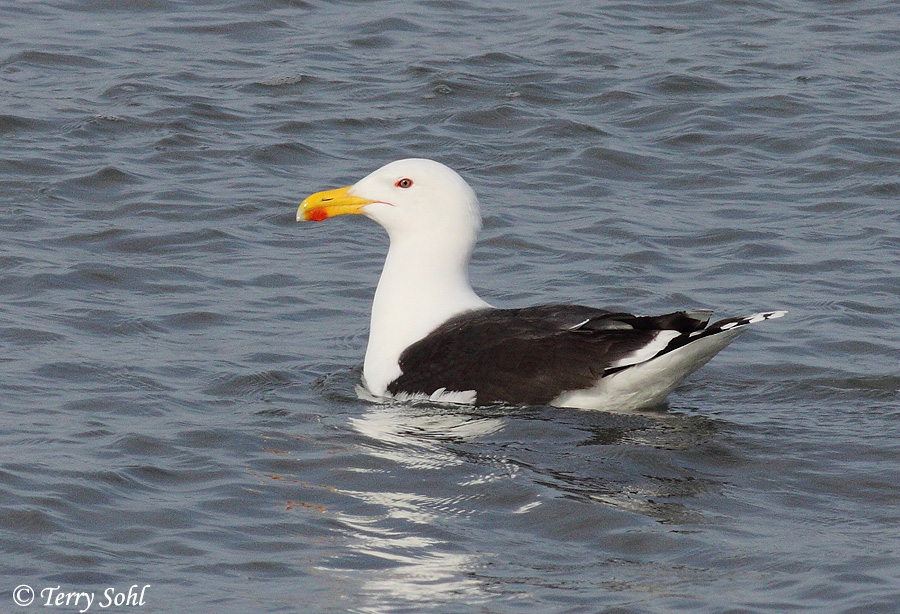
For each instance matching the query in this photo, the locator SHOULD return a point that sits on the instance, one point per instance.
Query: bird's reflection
(433, 469)
(421, 436)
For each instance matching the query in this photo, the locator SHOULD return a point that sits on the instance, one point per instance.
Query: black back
(530, 355)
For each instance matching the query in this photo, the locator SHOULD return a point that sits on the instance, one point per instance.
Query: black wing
(530, 355)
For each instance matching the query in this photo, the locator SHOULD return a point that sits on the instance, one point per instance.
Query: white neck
(425, 282)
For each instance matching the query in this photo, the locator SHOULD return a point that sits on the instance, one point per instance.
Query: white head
(412, 198)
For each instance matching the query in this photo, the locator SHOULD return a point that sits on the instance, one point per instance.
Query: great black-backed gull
(432, 337)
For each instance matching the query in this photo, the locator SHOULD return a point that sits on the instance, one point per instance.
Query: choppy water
(179, 357)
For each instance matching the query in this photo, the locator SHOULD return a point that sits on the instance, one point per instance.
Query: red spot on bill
(316, 215)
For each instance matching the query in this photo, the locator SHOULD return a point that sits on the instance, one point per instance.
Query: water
(179, 357)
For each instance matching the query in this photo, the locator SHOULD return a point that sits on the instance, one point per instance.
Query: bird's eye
(404, 183)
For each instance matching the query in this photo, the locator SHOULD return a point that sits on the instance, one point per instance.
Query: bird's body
(431, 335)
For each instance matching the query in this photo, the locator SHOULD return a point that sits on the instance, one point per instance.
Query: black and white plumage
(431, 336)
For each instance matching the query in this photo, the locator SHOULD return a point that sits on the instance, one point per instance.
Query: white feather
(648, 383)
(440, 396)
(656, 345)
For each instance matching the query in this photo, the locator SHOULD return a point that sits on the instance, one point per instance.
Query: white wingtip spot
(767, 315)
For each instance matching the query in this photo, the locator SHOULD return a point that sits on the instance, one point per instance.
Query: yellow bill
(323, 205)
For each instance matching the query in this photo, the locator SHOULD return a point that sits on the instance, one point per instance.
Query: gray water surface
(178, 358)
